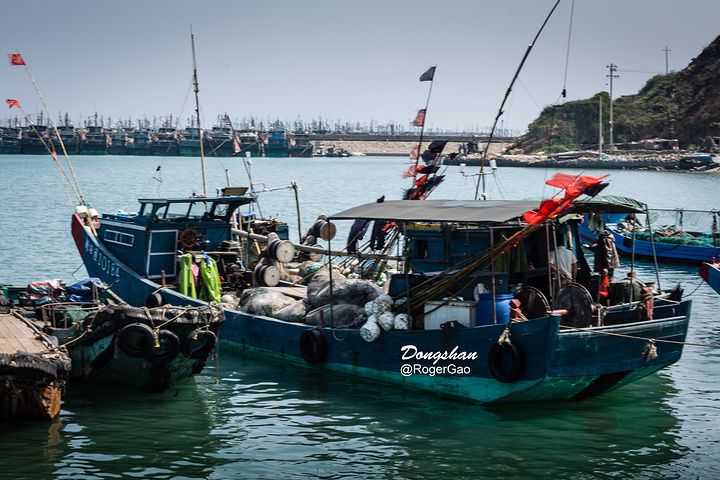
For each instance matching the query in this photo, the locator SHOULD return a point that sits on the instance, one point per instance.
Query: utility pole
(600, 135)
(613, 69)
(666, 59)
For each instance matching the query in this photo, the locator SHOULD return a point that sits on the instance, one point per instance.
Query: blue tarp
(83, 290)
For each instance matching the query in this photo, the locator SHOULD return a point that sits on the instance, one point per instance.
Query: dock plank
(16, 335)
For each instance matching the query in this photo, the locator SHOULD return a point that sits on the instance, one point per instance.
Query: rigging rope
(567, 55)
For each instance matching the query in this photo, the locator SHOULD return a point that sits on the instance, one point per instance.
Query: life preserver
(168, 349)
(198, 343)
(313, 346)
(498, 364)
(136, 340)
(188, 238)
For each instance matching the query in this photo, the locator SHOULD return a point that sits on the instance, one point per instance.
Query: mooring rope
(640, 338)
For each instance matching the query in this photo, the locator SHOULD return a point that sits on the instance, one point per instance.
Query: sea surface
(248, 418)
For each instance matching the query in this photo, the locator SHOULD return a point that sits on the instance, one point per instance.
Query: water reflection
(289, 422)
(107, 431)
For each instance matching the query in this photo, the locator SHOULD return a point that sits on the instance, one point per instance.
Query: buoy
(370, 331)
(402, 322)
(386, 321)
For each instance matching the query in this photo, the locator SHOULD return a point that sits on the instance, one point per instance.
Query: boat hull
(100, 356)
(664, 252)
(460, 362)
(710, 272)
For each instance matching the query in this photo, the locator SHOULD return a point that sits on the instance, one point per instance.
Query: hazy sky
(353, 61)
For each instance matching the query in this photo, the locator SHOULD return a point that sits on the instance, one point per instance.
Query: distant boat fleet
(167, 140)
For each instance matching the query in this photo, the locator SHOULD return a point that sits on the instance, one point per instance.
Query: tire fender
(167, 351)
(313, 346)
(205, 338)
(136, 340)
(497, 362)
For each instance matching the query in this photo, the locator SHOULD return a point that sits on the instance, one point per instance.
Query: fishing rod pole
(16, 59)
(502, 105)
(428, 75)
(65, 179)
(197, 111)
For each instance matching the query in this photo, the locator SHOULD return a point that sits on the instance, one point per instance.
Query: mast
(197, 112)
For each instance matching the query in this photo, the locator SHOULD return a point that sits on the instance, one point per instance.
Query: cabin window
(177, 211)
(197, 210)
(160, 212)
(221, 209)
(120, 238)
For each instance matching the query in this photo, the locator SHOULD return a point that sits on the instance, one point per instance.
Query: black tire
(104, 315)
(313, 346)
(136, 340)
(104, 357)
(167, 351)
(198, 343)
(498, 358)
(154, 300)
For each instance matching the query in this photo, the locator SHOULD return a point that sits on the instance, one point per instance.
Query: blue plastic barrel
(484, 310)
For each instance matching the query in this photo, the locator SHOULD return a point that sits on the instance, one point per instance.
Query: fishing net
(342, 315)
(686, 227)
(295, 312)
(353, 291)
(259, 301)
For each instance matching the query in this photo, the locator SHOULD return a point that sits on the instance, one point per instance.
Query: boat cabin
(461, 244)
(150, 240)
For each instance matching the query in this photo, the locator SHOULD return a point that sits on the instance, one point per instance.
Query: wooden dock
(17, 335)
(32, 371)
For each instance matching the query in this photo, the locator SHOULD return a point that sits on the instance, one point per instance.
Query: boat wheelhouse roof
(460, 211)
(224, 199)
(470, 211)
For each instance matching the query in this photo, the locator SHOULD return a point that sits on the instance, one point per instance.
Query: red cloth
(16, 59)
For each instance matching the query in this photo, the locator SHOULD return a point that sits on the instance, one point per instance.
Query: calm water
(248, 418)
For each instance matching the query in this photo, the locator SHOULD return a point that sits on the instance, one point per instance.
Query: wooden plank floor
(16, 335)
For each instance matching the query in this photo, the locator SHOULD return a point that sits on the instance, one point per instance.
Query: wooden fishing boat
(33, 370)
(148, 349)
(110, 342)
(423, 332)
(710, 272)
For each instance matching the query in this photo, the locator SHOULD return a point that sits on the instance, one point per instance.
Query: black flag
(428, 76)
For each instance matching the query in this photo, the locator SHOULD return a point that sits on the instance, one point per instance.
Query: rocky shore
(647, 160)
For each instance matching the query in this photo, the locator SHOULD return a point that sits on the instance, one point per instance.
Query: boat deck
(17, 335)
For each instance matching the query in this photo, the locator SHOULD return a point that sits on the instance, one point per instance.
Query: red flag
(561, 180)
(16, 59)
(420, 119)
(410, 172)
(13, 103)
(236, 146)
(414, 152)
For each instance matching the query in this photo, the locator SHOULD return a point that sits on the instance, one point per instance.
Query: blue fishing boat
(471, 310)
(276, 143)
(679, 236)
(710, 272)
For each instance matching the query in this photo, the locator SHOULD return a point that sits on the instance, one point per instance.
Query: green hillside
(681, 105)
